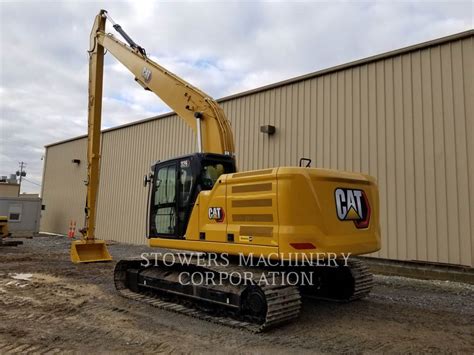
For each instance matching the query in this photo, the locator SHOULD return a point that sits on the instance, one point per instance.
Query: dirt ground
(49, 305)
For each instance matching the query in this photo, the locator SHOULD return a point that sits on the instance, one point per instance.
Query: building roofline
(19, 198)
(367, 60)
(8, 183)
(358, 62)
(134, 123)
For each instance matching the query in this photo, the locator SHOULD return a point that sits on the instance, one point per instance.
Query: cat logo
(146, 74)
(216, 213)
(353, 205)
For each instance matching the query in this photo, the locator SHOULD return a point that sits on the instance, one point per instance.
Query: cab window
(164, 202)
(186, 182)
(210, 174)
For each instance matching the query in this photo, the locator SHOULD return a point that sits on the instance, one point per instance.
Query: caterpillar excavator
(256, 232)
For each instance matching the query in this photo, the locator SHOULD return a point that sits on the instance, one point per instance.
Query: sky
(221, 47)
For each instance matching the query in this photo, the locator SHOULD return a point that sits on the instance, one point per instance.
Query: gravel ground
(49, 305)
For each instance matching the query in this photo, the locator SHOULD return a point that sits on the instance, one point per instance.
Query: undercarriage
(252, 298)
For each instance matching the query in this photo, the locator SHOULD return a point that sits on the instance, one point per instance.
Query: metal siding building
(23, 215)
(405, 117)
(9, 190)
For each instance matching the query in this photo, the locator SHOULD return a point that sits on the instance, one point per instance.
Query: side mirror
(147, 179)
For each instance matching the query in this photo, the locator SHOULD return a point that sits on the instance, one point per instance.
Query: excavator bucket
(83, 251)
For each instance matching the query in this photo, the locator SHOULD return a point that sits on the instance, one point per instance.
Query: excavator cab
(175, 185)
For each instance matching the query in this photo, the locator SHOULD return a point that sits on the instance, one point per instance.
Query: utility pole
(20, 172)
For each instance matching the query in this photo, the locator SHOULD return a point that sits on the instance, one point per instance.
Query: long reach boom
(196, 108)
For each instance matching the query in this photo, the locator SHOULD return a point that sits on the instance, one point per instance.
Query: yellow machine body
(282, 213)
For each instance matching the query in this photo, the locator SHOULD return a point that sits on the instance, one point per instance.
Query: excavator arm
(195, 107)
(198, 110)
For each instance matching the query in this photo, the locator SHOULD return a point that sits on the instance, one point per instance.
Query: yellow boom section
(90, 249)
(185, 99)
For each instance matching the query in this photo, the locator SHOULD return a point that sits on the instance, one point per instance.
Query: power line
(31, 182)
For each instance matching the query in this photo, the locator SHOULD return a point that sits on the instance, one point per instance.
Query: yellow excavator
(243, 229)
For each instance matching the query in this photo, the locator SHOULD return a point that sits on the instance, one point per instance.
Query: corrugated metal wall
(63, 190)
(407, 119)
(127, 156)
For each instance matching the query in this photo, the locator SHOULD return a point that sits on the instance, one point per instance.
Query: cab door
(186, 197)
(163, 206)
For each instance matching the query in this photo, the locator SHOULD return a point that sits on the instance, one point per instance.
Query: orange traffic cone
(72, 229)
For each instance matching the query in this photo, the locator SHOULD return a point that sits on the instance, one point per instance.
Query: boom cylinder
(198, 116)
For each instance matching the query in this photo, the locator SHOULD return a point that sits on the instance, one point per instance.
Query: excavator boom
(195, 107)
(90, 249)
